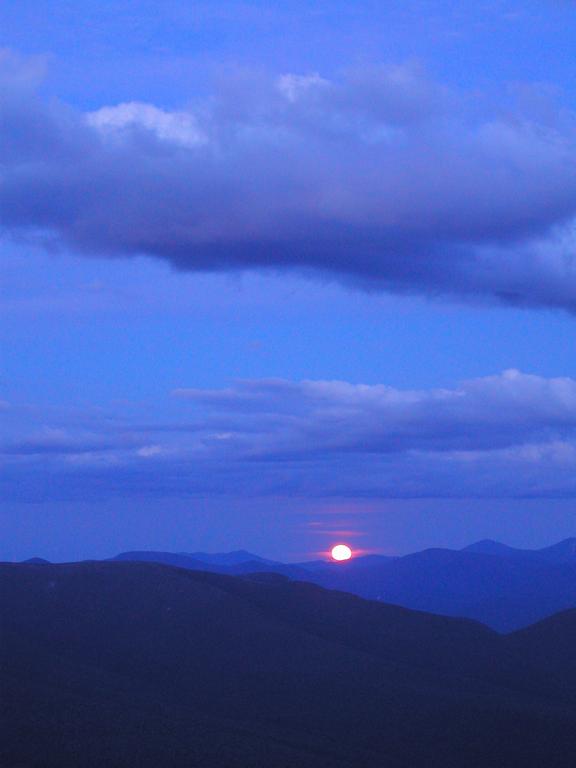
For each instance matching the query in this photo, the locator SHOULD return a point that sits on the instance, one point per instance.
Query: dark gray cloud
(382, 178)
(501, 436)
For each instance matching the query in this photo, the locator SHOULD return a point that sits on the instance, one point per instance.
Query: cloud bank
(511, 435)
(381, 178)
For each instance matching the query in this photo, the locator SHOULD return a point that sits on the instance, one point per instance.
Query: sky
(277, 275)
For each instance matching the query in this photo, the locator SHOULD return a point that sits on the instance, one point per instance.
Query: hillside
(500, 586)
(128, 664)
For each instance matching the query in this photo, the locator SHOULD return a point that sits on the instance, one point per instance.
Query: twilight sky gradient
(276, 274)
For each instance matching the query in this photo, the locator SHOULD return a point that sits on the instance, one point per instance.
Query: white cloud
(307, 418)
(508, 435)
(172, 127)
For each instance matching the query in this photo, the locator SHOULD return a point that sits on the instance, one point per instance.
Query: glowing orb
(341, 552)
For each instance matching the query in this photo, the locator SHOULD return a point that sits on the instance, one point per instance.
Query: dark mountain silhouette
(505, 593)
(290, 571)
(355, 563)
(141, 664)
(232, 564)
(179, 560)
(550, 645)
(501, 586)
(563, 552)
(37, 561)
(238, 557)
(491, 547)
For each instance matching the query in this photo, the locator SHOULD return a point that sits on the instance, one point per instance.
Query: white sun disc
(341, 552)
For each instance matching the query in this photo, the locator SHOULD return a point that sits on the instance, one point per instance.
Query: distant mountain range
(231, 563)
(563, 552)
(141, 664)
(503, 587)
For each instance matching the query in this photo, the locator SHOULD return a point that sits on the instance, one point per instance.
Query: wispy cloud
(502, 436)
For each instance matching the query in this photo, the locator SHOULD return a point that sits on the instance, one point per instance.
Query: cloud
(383, 179)
(283, 419)
(178, 128)
(57, 442)
(511, 435)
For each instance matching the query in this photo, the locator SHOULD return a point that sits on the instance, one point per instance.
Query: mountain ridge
(130, 663)
(507, 591)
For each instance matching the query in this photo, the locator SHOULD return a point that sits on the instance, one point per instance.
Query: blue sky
(276, 275)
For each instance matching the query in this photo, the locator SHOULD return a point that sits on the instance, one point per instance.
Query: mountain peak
(488, 547)
(569, 542)
(237, 557)
(563, 551)
(564, 548)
